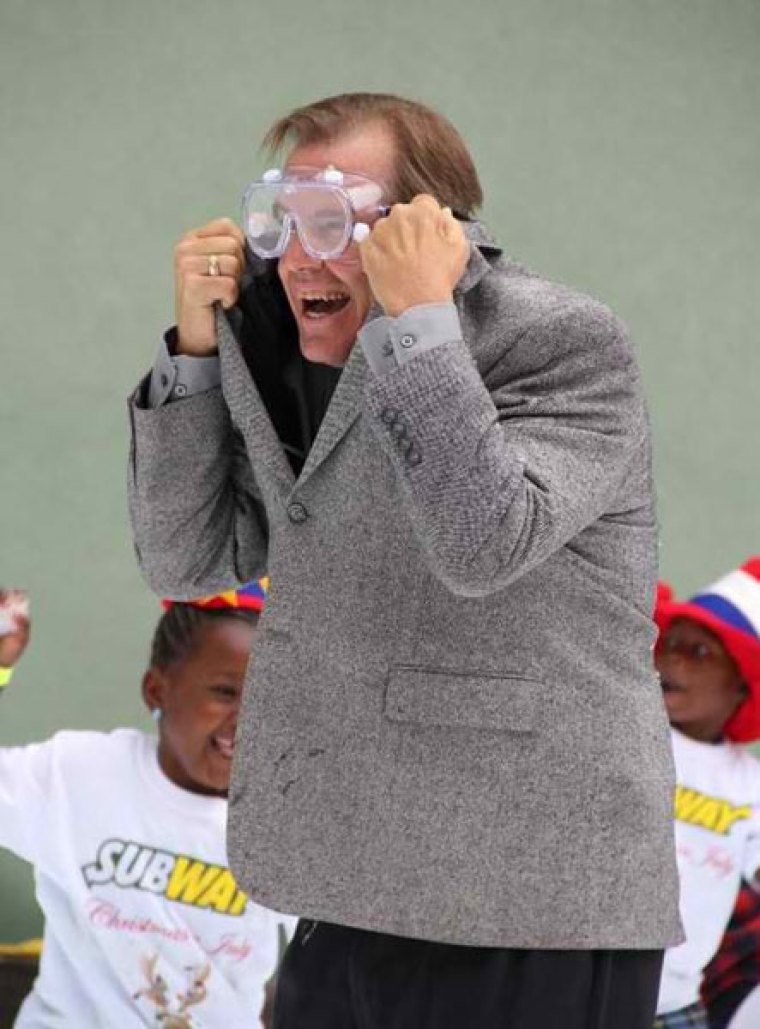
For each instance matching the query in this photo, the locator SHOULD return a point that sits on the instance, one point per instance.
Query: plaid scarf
(738, 957)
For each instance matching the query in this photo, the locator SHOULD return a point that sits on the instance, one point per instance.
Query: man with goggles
(452, 760)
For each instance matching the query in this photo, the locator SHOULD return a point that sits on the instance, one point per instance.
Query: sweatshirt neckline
(194, 805)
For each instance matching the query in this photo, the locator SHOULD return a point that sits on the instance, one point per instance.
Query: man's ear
(154, 688)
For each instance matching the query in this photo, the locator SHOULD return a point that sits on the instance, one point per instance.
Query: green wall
(619, 148)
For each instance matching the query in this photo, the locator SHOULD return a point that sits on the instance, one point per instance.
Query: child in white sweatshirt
(708, 657)
(144, 922)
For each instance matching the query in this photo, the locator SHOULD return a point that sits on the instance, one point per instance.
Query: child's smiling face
(701, 684)
(199, 697)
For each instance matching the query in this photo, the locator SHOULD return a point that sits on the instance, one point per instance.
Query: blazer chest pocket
(467, 700)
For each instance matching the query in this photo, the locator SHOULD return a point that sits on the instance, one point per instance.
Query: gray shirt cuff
(389, 343)
(173, 378)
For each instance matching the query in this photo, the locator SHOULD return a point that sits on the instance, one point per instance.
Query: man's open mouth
(322, 305)
(224, 745)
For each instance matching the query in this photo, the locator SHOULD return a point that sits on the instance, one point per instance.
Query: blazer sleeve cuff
(176, 377)
(390, 343)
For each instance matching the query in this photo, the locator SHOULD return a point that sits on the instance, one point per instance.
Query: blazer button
(398, 429)
(414, 457)
(297, 513)
(388, 415)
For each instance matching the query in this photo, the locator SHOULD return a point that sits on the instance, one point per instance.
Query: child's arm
(25, 773)
(23, 770)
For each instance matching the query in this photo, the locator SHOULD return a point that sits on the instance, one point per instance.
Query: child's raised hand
(15, 626)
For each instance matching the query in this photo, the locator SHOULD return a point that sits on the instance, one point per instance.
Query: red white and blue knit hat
(731, 609)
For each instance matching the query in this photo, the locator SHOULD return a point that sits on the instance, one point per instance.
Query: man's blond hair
(431, 156)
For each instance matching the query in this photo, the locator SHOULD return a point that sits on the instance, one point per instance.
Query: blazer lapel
(247, 408)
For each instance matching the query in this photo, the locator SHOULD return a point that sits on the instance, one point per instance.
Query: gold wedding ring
(213, 265)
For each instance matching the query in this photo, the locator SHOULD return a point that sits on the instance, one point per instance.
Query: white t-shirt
(144, 923)
(717, 812)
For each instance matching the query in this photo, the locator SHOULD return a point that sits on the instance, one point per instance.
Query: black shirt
(295, 392)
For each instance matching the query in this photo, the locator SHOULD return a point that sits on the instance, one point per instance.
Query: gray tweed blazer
(451, 727)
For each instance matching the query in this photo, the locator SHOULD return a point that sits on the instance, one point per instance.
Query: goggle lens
(265, 222)
(320, 213)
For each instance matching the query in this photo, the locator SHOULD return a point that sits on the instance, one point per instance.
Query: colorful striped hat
(731, 609)
(251, 597)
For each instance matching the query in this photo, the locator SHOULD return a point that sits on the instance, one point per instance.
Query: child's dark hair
(177, 631)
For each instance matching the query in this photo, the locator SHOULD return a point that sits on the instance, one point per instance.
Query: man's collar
(483, 247)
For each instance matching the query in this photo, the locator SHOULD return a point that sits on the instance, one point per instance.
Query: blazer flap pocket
(472, 700)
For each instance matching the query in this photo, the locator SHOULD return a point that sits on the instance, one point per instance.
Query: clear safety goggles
(328, 209)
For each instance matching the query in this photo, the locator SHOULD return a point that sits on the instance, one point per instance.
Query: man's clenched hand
(196, 291)
(415, 256)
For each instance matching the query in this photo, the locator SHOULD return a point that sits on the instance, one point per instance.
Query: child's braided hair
(177, 631)
(180, 626)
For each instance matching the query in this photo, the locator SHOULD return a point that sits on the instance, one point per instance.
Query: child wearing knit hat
(708, 658)
(144, 922)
